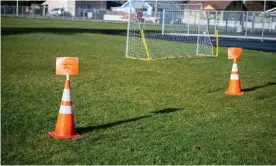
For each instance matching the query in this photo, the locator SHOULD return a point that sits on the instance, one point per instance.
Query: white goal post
(162, 30)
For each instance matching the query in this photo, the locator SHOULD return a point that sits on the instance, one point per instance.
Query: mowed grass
(130, 111)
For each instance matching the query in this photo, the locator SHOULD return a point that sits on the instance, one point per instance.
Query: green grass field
(130, 111)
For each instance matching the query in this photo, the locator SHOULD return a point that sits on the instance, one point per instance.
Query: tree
(21, 3)
(269, 4)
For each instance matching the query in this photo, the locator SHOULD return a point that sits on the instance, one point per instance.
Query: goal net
(162, 30)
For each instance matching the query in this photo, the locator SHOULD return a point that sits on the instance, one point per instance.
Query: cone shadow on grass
(87, 129)
(257, 87)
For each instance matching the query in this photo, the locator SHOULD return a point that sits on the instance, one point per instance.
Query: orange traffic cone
(234, 84)
(65, 127)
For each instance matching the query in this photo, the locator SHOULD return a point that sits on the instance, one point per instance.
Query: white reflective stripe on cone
(234, 77)
(65, 109)
(66, 96)
(235, 67)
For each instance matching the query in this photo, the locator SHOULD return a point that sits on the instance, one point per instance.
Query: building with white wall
(74, 7)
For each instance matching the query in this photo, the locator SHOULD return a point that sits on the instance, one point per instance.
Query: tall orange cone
(234, 87)
(65, 127)
(234, 83)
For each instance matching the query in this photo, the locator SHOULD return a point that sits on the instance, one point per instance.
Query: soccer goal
(159, 30)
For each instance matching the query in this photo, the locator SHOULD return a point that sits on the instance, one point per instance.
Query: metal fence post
(263, 26)
(253, 22)
(78, 15)
(96, 11)
(219, 17)
(246, 24)
(32, 12)
(163, 22)
(194, 17)
(198, 31)
(22, 8)
(226, 22)
(189, 27)
(270, 24)
(242, 22)
(208, 21)
(216, 21)
(4, 10)
(14, 10)
(17, 8)
(73, 14)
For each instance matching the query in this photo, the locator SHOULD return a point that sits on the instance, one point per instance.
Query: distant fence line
(233, 24)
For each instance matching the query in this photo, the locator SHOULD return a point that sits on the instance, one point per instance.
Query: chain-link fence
(60, 13)
(233, 24)
(244, 24)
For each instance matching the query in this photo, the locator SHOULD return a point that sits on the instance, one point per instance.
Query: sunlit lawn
(130, 111)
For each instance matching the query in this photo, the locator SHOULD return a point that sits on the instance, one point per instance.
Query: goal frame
(144, 40)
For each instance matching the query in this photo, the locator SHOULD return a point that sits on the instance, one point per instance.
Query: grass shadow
(13, 30)
(257, 87)
(87, 129)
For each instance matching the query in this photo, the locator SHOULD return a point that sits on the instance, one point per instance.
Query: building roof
(223, 4)
(254, 6)
(218, 5)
